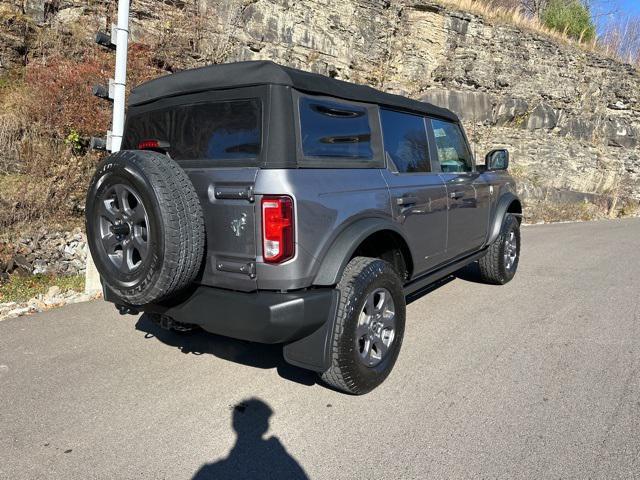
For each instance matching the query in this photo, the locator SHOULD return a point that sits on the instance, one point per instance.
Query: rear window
(335, 130)
(228, 130)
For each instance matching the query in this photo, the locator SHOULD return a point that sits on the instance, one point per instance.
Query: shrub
(47, 112)
(570, 17)
(58, 94)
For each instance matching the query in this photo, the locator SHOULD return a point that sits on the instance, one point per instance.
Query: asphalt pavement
(535, 379)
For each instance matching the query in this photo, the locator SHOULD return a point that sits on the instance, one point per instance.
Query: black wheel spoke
(110, 243)
(138, 215)
(140, 245)
(125, 230)
(123, 199)
(127, 258)
(106, 210)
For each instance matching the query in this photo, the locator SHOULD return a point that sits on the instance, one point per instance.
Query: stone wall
(570, 117)
(44, 252)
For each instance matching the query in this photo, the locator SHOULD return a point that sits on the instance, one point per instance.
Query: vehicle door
(418, 194)
(467, 191)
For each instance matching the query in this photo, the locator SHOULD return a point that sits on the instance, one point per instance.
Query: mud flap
(313, 352)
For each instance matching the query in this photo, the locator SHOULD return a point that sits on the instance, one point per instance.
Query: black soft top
(246, 74)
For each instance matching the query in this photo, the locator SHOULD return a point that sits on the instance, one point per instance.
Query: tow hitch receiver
(167, 323)
(125, 310)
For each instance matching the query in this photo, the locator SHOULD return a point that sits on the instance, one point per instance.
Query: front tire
(500, 264)
(369, 326)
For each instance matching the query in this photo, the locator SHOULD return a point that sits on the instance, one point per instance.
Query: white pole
(92, 278)
(120, 82)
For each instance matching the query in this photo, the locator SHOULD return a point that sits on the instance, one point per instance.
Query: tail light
(277, 229)
(157, 145)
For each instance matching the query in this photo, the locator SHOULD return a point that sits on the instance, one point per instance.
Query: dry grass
(10, 132)
(546, 211)
(517, 17)
(21, 289)
(629, 208)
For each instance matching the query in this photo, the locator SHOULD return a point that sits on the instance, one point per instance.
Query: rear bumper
(264, 317)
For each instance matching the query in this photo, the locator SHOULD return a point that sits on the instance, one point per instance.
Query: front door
(418, 195)
(468, 197)
(467, 192)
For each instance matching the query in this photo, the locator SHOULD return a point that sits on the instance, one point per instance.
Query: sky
(627, 6)
(617, 8)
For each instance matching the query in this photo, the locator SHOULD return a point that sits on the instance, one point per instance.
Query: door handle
(456, 195)
(407, 200)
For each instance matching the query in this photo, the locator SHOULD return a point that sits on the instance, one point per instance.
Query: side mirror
(497, 159)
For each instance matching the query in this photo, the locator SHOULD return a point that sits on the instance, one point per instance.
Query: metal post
(114, 138)
(120, 82)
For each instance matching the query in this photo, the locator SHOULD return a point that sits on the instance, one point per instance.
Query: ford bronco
(273, 205)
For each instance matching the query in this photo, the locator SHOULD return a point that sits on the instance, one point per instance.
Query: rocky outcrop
(45, 252)
(570, 116)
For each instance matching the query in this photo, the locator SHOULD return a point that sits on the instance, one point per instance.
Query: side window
(453, 153)
(405, 141)
(335, 129)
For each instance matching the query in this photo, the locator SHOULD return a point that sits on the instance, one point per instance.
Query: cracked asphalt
(535, 379)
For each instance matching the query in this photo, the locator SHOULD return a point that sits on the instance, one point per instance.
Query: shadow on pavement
(470, 273)
(252, 456)
(251, 354)
(428, 289)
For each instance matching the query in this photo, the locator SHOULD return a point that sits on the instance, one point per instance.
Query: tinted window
(208, 131)
(332, 129)
(405, 141)
(453, 154)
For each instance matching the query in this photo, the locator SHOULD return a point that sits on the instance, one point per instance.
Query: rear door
(467, 191)
(418, 195)
(217, 138)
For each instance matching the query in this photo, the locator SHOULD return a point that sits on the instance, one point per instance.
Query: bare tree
(621, 37)
(533, 7)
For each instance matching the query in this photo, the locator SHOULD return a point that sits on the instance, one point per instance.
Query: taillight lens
(277, 229)
(148, 145)
(161, 146)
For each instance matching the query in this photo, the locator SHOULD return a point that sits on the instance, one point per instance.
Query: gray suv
(274, 205)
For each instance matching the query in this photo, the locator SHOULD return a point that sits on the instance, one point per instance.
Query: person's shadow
(252, 456)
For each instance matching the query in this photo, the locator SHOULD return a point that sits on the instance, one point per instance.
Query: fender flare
(501, 210)
(342, 248)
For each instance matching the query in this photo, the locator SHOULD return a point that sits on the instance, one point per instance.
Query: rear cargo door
(226, 196)
(217, 137)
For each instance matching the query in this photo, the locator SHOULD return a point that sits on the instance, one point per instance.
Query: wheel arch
(508, 203)
(356, 239)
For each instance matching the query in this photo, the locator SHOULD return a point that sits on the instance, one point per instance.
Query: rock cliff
(570, 117)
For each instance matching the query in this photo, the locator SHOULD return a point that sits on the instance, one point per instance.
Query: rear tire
(500, 264)
(369, 326)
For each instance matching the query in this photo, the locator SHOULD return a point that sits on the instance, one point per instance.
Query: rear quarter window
(337, 134)
(217, 131)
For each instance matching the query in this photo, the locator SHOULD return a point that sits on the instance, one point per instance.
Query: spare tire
(145, 227)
